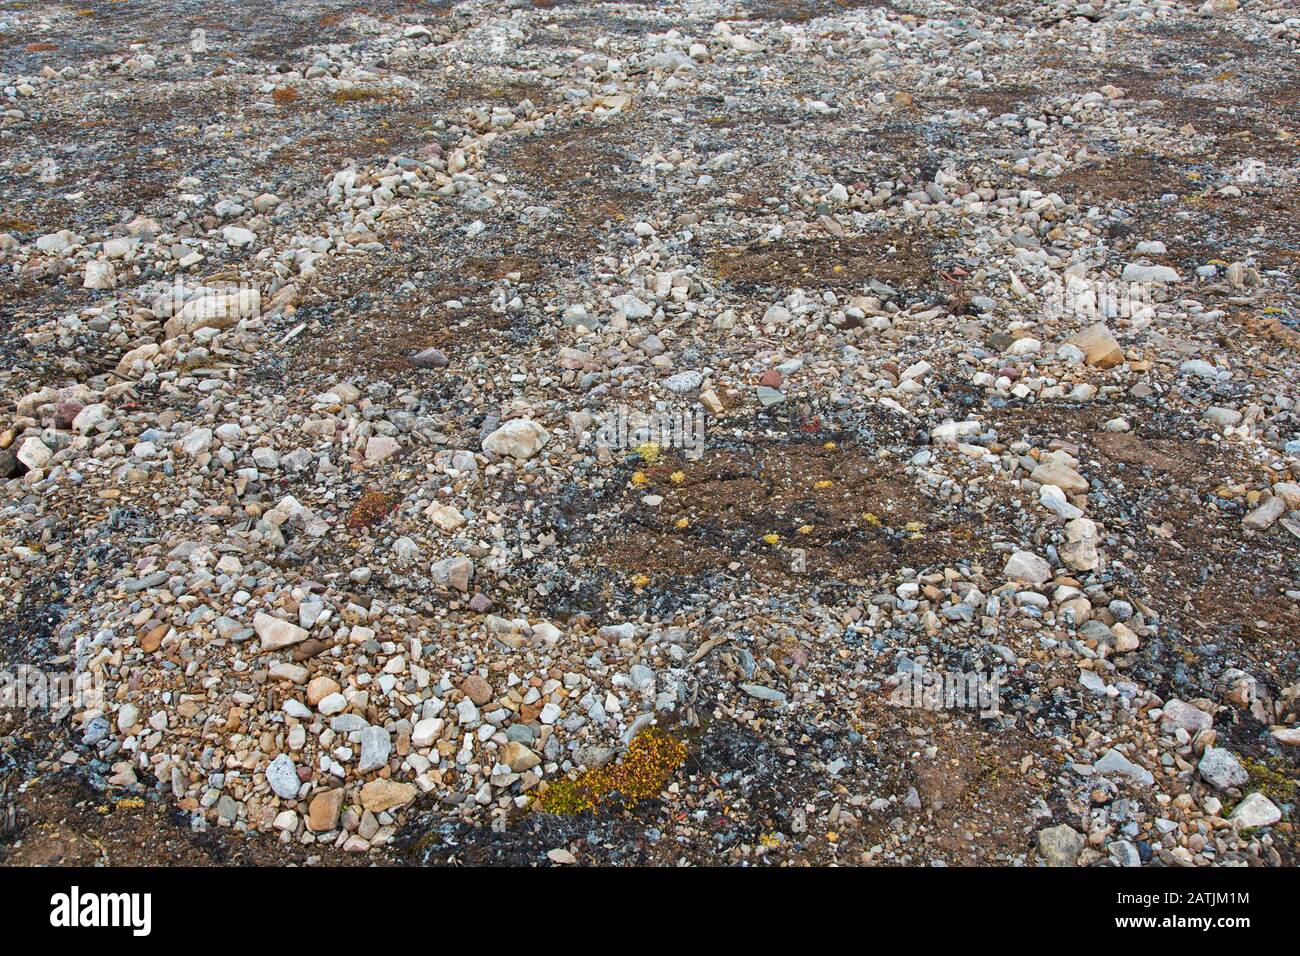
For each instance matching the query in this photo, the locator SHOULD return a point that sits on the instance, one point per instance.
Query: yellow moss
(871, 519)
(639, 478)
(824, 483)
(677, 477)
(772, 537)
(649, 452)
(683, 523)
(651, 759)
(805, 529)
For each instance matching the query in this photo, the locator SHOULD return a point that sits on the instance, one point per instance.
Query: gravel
(318, 328)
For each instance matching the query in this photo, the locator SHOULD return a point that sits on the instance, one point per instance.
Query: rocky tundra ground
(341, 520)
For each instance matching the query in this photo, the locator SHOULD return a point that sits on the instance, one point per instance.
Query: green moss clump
(651, 759)
(1270, 781)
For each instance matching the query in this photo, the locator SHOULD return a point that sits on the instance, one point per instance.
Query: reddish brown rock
(324, 809)
(476, 689)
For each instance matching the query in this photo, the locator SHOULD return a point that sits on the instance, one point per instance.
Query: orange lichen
(370, 509)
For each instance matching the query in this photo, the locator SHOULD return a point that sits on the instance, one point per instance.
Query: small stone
(1063, 476)
(99, 275)
(518, 757)
(376, 745)
(238, 236)
(282, 775)
(324, 809)
(1176, 713)
(1098, 346)
(1060, 845)
(429, 358)
(1220, 769)
(380, 795)
(444, 517)
(1262, 518)
(760, 692)
(1027, 566)
(332, 704)
(427, 731)
(1079, 552)
(1256, 810)
(476, 689)
(128, 715)
(34, 453)
(1124, 853)
(453, 572)
(1134, 272)
(1053, 499)
(518, 438)
(320, 688)
(684, 382)
(276, 633)
(153, 640)
(1112, 761)
(381, 447)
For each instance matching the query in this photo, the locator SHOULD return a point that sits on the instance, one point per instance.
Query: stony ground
(312, 314)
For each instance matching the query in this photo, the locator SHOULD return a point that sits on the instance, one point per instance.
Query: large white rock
(376, 745)
(99, 275)
(89, 417)
(1177, 713)
(519, 438)
(212, 309)
(1098, 346)
(197, 441)
(380, 447)
(1134, 272)
(426, 731)
(1053, 499)
(1220, 769)
(134, 361)
(282, 775)
(445, 517)
(1027, 566)
(238, 236)
(1079, 551)
(1262, 518)
(276, 633)
(34, 453)
(1059, 474)
(1256, 810)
